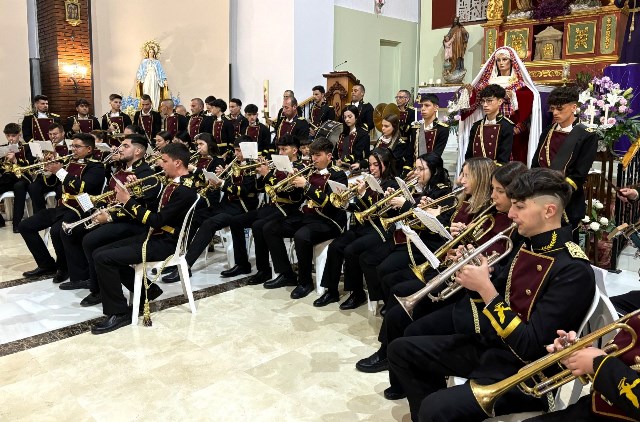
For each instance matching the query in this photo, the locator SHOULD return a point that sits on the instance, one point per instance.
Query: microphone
(337, 66)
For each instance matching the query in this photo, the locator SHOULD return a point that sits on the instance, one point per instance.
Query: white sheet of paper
(85, 201)
(249, 150)
(3, 151)
(418, 243)
(4, 141)
(373, 183)
(36, 149)
(103, 147)
(68, 142)
(282, 163)
(405, 190)
(209, 175)
(13, 148)
(336, 187)
(432, 223)
(46, 146)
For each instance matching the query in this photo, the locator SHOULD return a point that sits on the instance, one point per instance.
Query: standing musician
(258, 131)
(407, 114)
(431, 134)
(347, 248)
(147, 118)
(81, 175)
(35, 124)
(206, 158)
(114, 121)
(198, 122)
(393, 140)
(80, 243)
(321, 111)
(365, 110)
(223, 129)
(290, 121)
(570, 147)
(82, 121)
(492, 136)
(240, 196)
(285, 203)
(353, 145)
(319, 222)
(8, 180)
(548, 283)
(113, 262)
(171, 121)
(286, 94)
(240, 122)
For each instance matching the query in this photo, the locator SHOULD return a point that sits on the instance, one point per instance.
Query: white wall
(194, 38)
(400, 9)
(14, 56)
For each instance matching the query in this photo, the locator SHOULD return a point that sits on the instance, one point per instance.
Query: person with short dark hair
(172, 121)
(570, 147)
(223, 130)
(8, 180)
(258, 131)
(290, 121)
(35, 124)
(240, 122)
(82, 121)
(285, 95)
(147, 118)
(365, 110)
(492, 136)
(431, 135)
(321, 110)
(114, 121)
(520, 323)
(199, 121)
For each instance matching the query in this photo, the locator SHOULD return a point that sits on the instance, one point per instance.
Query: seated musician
(114, 121)
(353, 144)
(392, 140)
(8, 179)
(206, 159)
(113, 262)
(81, 175)
(258, 131)
(615, 385)
(360, 237)
(284, 203)
(240, 196)
(36, 122)
(548, 283)
(320, 221)
(185, 139)
(82, 121)
(113, 223)
(431, 134)
(305, 155)
(492, 136)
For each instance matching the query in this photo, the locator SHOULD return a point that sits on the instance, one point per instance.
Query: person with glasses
(570, 147)
(407, 113)
(365, 109)
(492, 136)
(82, 175)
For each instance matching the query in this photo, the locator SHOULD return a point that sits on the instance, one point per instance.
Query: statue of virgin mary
(151, 79)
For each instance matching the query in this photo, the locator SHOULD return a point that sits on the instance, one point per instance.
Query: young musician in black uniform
(491, 137)
(114, 121)
(147, 118)
(321, 111)
(206, 158)
(81, 122)
(365, 110)
(258, 131)
(35, 124)
(393, 140)
(81, 175)
(347, 248)
(431, 134)
(199, 122)
(8, 179)
(291, 122)
(319, 222)
(548, 283)
(353, 145)
(570, 147)
(114, 261)
(240, 122)
(171, 121)
(407, 114)
(240, 196)
(283, 203)
(223, 129)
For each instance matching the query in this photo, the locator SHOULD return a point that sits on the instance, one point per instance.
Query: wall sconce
(75, 73)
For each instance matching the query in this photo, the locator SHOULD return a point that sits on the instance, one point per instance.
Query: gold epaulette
(589, 129)
(301, 118)
(188, 182)
(575, 251)
(505, 118)
(410, 108)
(441, 186)
(54, 114)
(442, 124)
(336, 168)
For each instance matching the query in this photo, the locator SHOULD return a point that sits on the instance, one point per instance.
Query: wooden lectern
(339, 85)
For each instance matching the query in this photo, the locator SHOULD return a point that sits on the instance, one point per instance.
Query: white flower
(595, 201)
(604, 221)
(598, 205)
(586, 219)
(584, 96)
(594, 226)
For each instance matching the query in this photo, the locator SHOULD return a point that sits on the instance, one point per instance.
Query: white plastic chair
(8, 198)
(177, 259)
(320, 259)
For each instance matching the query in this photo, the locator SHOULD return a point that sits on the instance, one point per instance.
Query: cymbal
(378, 115)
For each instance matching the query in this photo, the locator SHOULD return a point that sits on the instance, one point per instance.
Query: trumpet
(377, 209)
(486, 395)
(470, 234)
(386, 222)
(237, 170)
(283, 185)
(107, 195)
(341, 199)
(228, 171)
(153, 157)
(194, 158)
(39, 167)
(408, 303)
(88, 222)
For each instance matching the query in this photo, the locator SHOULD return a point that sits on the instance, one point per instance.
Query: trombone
(486, 395)
(283, 185)
(386, 222)
(88, 222)
(408, 303)
(377, 209)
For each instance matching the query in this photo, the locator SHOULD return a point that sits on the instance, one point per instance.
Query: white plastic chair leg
(320, 258)
(185, 281)
(137, 292)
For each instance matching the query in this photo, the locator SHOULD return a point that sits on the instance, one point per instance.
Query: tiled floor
(248, 354)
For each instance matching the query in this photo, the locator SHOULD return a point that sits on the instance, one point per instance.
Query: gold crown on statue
(150, 45)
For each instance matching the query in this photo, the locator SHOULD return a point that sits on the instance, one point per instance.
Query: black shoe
(236, 270)
(391, 394)
(165, 270)
(327, 298)
(111, 323)
(383, 310)
(91, 300)
(75, 285)
(372, 364)
(354, 300)
(37, 272)
(153, 293)
(281, 281)
(259, 277)
(173, 276)
(302, 290)
(16, 230)
(60, 276)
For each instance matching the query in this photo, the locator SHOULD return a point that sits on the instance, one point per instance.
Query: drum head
(330, 130)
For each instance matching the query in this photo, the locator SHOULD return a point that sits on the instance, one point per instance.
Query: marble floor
(247, 354)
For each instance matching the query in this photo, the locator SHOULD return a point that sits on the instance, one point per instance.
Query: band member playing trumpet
(284, 202)
(206, 159)
(431, 134)
(361, 237)
(81, 122)
(147, 118)
(548, 283)
(114, 261)
(353, 145)
(393, 140)
(114, 121)
(319, 222)
(321, 111)
(81, 175)
(8, 180)
(258, 131)
(35, 124)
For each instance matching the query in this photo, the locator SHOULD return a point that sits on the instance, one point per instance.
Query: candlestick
(606, 113)
(265, 96)
(591, 113)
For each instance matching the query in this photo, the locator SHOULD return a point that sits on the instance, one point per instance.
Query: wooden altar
(591, 40)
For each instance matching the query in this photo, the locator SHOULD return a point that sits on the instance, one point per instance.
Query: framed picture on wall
(72, 12)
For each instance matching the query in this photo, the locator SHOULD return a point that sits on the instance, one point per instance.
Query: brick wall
(62, 44)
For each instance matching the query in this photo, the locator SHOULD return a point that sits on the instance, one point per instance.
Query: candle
(606, 113)
(591, 113)
(265, 95)
(438, 81)
(431, 81)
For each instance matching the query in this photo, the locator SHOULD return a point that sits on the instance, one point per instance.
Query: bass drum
(330, 130)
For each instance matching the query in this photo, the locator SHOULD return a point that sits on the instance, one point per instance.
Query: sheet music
(249, 150)
(85, 201)
(413, 237)
(103, 147)
(336, 187)
(282, 163)
(36, 150)
(46, 146)
(432, 223)
(407, 194)
(209, 175)
(373, 183)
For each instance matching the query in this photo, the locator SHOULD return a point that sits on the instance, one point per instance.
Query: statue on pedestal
(151, 79)
(455, 47)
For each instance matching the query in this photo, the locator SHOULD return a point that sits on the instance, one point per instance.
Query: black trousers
(77, 264)
(113, 266)
(578, 411)
(346, 249)
(8, 183)
(104, 235)
(307, 231)
(37, 190)
(53, 218)
(627, 302)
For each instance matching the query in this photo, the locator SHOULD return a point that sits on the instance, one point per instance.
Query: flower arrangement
(596, 223)
(453, 115)
(130, 105)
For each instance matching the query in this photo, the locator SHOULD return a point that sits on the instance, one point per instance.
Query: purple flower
(622, 101)
(622, 109)
(600, 103)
